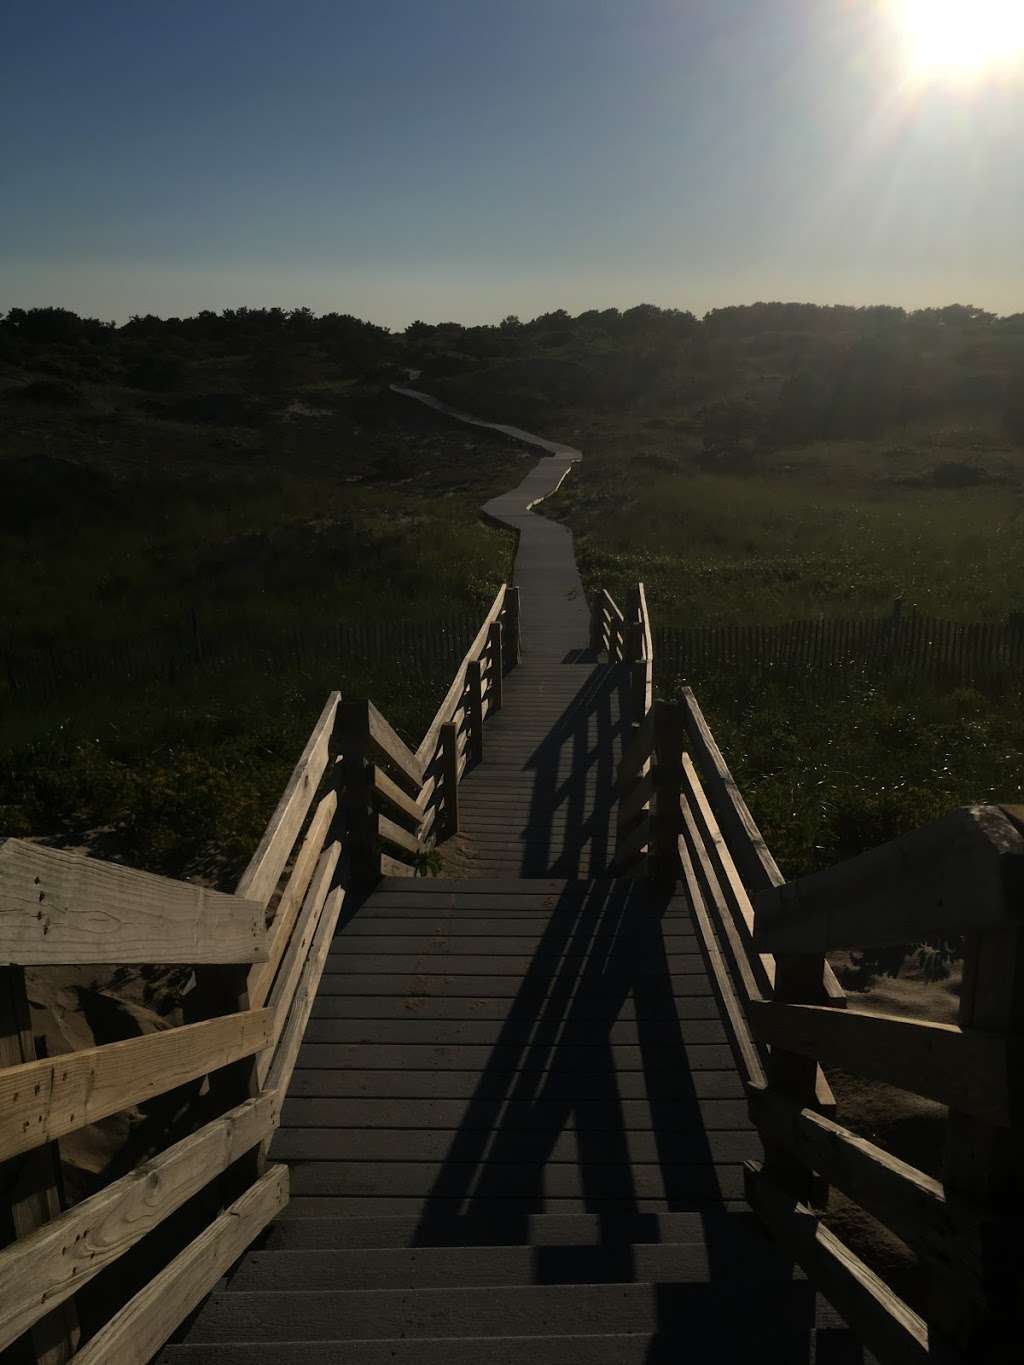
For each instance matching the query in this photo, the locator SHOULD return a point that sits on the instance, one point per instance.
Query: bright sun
(961, 38)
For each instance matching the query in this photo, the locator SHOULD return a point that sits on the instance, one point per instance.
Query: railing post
(666, 819)
(512, 643)
(352, 740)
(450, 778)
(975, 1300)
(798, 981)
(494, 648)
(30, 1184)
(475, 703)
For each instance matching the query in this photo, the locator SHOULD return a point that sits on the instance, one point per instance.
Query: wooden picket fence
(30, 677)
(951, 652)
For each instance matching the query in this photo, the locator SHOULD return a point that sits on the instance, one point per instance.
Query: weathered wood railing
(258, 957)
(962, 875)
(682, 816)
(399, 804)
(228, 1065)
(627, 639)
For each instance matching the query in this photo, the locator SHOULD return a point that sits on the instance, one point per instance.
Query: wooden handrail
(964, 872)
(260, 878)
(419, 793)
(61, 908)
(46, 1268)
(49, 1097)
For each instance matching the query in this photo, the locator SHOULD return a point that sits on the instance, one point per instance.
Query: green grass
(837, 530)
(830, 771)
(363, 514)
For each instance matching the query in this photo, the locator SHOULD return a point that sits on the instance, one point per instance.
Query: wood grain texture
(137, 1332)
(63, 908)
(44, 1099)
(279, 1074)
(43, 1270)
(905, 1199)
(294, 959)
(261, 978)
(260, 878)
(885, 1324)
(965, 1068)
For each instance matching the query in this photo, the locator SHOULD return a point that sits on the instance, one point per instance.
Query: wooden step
(437, 979)
(572, 1058)
(729, 1316)
(547, 1147)
(672, 1086)
(475, 1266)
(521, 1115)
(289, 1233)
(459, 1007)
(477, 1033)
(475, 1180)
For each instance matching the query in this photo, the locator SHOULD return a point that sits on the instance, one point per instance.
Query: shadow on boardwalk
(555, 798)
(603, 951)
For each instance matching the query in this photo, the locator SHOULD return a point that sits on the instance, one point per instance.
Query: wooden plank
(291, 968)
(391, 791)
(31, 1182)
(391, 744)
(882, 1321)
(260, 878)
(45, 1099)
(634, 844)
(905, 1199)
(475, 706)
(42, 1271)
(751, 1067)
(136, 1333)
(428, 744)
(393, 833)
(964, 1068)
(450, 778)
(391, 867)
(638, 796)
(963, 872)
(279, 1074)
(734, 889)
(261, 978)
(497, 667)
(756, 864)
(637, 752)
(64, 908)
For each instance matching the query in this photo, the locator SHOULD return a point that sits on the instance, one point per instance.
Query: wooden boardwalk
(516, 1126)
(515, 1133)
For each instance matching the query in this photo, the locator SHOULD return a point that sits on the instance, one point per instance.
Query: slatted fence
(950, 652)
(30, 677)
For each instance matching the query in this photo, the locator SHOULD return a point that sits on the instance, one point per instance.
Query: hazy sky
(470, 158)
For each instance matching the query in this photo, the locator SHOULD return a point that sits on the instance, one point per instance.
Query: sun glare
(963, 39)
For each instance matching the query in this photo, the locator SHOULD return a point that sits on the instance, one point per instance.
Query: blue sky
(469, 158)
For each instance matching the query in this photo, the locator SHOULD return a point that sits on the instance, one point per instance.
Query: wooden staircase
(516, 1133)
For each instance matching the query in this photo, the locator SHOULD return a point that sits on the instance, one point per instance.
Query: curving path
(541, 803)
(553, 609)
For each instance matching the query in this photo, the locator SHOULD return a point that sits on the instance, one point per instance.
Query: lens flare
(961, 38)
